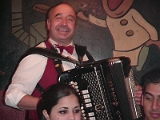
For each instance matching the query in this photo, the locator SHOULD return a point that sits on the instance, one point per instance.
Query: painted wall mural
(109, 28)
(130, 32)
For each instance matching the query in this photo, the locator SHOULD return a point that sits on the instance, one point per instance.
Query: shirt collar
(54, 42)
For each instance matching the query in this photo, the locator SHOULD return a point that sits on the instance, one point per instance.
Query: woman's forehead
(68, 102)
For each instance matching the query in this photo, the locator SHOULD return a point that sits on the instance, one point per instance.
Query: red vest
(50, 74)
(49, 77)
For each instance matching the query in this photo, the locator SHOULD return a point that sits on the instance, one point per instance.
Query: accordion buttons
(118, 115)
(115, 103)
(84, 91)
(91, 114)
(86, 96)
(87, 100)
(92, 118)
(88, 105)
(99, 107)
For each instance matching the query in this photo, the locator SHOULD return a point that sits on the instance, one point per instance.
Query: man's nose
(155, 104)
(64, 21)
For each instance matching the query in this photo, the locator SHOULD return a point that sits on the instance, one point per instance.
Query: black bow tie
(69, 48)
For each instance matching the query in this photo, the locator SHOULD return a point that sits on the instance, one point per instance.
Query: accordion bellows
(105, 88)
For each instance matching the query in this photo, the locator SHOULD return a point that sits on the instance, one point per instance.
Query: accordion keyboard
(102, 90)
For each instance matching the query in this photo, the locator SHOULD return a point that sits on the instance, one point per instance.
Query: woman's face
(68, 108)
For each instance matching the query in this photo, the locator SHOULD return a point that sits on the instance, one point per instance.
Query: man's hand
(138, 95)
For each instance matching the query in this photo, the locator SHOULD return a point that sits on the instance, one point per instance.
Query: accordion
(105, 88)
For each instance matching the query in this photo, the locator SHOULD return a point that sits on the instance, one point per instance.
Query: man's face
(151, 102)
(61, 24)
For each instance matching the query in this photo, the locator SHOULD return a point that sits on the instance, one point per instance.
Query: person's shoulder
(29, 55)
(80, 46)
(41, 45)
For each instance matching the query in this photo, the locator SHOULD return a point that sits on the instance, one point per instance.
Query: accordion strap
(57, 58)
(50, 54)
(81, 51)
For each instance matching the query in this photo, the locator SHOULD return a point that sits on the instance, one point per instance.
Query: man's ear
(45, 114)
(48, 25)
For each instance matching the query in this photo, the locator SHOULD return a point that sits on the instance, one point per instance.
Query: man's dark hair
(153, 76)
(48, 12)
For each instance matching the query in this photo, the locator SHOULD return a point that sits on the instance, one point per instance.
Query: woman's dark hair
(153, 76)
(51, 96)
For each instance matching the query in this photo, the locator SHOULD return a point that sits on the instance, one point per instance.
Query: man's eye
(148, 98)
(63, 111)
(58, 18)
(70, 19)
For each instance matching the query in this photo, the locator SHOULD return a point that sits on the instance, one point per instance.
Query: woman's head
(59, 102)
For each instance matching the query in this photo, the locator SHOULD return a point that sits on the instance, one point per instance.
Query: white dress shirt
(29, 72)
